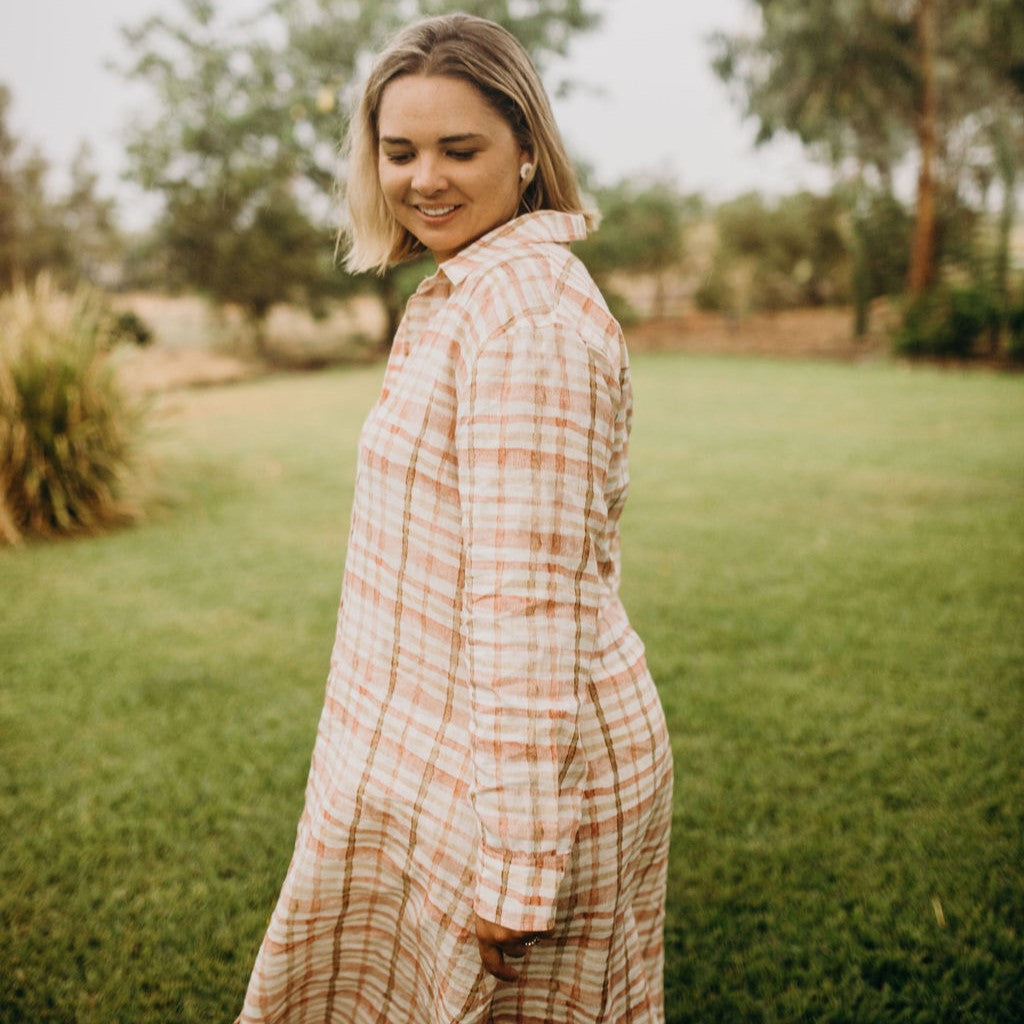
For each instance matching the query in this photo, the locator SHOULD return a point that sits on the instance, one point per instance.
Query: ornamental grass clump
(67, 429)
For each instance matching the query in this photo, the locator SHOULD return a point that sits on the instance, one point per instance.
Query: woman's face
(448, 162)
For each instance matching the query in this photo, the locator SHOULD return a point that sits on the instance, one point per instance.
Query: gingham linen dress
(491, 738)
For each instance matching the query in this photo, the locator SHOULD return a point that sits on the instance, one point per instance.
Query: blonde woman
(485, 833)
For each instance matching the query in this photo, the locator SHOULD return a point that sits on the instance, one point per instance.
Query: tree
(89, 220)
(999, 136)
(776, 256)
(30, 231)
(922, 263)
(241, 141)
(642, 227)
(233, 222)
(8, 197)
(865, 81)
(73, 237)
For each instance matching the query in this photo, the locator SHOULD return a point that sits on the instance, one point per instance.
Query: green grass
(826, 563)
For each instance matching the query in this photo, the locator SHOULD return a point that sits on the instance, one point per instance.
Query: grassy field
(826, 562)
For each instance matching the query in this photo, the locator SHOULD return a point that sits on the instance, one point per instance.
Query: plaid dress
(491, 739)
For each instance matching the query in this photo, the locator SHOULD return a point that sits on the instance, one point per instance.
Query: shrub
(781, 256)
(946, 323)
(67, 430)
(1015, 326)
(884, 230)
(130, 328)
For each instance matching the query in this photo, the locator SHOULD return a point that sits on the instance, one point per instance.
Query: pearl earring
(525, 171)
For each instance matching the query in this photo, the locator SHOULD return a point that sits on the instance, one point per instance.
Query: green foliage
(234, 226)
(827, 577)
(408, 276)
(863, 84)
(1015, 327)
(880, 246)
(642, 231)
(30, 235)
(89, 224)
(130, 327)
(947, 323)
(771, 257)
(67, 431)
(841, 76)
(885, 228)
(72, 238)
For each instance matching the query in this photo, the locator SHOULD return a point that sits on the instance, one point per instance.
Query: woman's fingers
(496, 943)
(493, 959)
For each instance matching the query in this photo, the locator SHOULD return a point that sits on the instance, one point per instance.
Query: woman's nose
(428, 177)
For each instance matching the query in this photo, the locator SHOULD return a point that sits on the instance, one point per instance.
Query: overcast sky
(657, 108)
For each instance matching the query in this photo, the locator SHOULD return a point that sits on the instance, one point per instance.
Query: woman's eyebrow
(447, 140)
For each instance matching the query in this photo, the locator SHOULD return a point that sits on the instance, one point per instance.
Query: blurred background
(749, 157)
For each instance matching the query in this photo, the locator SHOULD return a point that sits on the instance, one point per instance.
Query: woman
(486, 822)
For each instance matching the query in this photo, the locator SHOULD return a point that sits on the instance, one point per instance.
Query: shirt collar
(541, 226)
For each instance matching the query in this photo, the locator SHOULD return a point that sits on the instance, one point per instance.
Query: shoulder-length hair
(488, 57)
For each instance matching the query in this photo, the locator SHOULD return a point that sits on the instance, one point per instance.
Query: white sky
(658, 108)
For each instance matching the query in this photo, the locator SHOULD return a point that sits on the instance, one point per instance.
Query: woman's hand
(496, 943)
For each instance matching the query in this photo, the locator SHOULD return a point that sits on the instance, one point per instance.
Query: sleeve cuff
(519, 891)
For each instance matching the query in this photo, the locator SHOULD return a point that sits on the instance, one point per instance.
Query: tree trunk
(861, 270)
(861, 288)
(256, 317)
(1007, 215)
(922, 257)
(660, 296)
(1001, 282)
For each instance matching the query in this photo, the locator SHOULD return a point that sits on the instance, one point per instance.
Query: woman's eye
(462, 154)
(398, 158)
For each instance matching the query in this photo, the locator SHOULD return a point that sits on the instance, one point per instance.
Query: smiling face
(448, 161)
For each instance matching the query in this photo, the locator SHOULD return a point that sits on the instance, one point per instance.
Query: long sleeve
(533, 440)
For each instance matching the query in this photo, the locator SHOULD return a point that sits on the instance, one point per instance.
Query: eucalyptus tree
(863, 83)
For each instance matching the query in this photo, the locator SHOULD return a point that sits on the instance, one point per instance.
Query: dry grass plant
(67, 429)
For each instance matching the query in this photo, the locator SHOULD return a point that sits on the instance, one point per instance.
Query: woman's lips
(437, 214)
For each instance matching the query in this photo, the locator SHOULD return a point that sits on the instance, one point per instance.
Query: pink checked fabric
(491, 738)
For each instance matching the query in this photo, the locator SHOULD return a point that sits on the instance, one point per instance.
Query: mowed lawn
(826, 562)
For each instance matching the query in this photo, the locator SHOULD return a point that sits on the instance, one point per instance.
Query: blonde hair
(488, 57)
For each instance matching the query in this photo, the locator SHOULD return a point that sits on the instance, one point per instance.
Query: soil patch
(149, 370)
(798, 333)
(801, 333)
